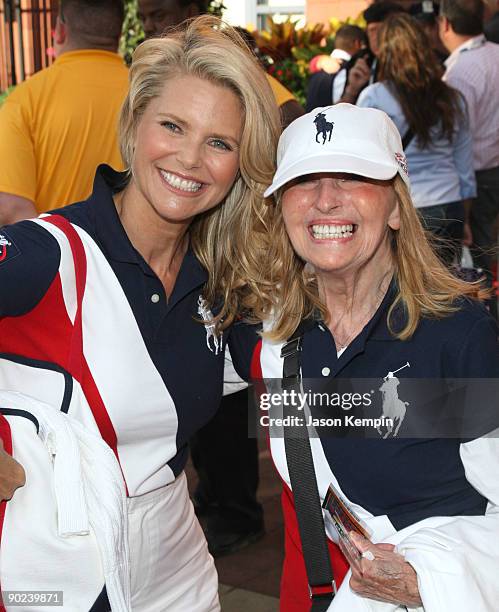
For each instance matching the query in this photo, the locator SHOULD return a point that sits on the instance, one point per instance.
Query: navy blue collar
(109, 230)
(377, 328)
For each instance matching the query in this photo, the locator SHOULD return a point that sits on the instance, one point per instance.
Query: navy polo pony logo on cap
(323, 127)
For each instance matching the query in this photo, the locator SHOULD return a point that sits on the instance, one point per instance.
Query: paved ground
(249, 579)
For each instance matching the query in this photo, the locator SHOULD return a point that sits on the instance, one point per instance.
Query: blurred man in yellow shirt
(59, 125)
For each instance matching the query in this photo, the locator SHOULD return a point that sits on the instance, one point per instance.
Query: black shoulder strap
(322, 587)
(406, 140)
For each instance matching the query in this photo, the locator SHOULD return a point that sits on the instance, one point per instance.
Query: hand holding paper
(383, 574)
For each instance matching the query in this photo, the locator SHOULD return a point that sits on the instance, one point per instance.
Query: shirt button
(326, 371)
(154, 298)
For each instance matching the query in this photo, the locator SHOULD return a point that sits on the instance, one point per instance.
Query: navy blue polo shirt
(406, 479)
(174, 339)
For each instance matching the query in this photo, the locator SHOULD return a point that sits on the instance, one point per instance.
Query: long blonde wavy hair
(229, 240)
(425, 287)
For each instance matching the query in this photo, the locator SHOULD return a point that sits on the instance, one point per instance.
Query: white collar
(467, 45)
(340, 54)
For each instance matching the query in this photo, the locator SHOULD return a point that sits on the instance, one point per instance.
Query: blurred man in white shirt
(473, 69)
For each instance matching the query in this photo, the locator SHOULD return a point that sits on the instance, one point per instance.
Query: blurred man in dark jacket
(158, 15)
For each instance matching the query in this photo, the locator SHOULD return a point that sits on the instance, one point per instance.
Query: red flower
(279, 73)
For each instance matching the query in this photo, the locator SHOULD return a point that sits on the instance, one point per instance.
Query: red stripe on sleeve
(75, 363)
(256, 366)
(47, 333)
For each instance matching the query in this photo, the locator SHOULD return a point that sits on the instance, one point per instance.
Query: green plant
(216, 7)
(293, 74)
(281, 40)
(4, 94)
(132, 33)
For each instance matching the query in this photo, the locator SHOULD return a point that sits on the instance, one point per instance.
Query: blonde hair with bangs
(229, 240)
(426, 288)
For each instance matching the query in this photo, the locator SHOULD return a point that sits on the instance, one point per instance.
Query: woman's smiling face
(186, 154)
(340, 222)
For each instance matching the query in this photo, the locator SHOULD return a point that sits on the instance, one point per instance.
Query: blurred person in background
(362, 69)
(491, 27)
(431, 118)
(426, 12)
(348, 42)
(158, 15)
(58, 126)
(349, 39)
(473, 69)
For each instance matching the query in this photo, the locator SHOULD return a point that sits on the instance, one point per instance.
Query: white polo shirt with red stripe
(151, 372)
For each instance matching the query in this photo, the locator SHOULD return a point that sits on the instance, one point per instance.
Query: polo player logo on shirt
(213, 341)
(402, 162)
(394, 408)
(4, 243)
(324, 127)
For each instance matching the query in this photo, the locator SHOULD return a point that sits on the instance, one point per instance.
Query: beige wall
(322, 10)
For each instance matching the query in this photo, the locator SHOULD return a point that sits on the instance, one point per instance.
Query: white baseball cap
(340, 138)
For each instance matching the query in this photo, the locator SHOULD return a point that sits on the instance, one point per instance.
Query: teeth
(332, 231)
(179, 183)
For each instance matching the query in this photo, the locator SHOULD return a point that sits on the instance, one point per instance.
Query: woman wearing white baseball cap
(357, 292)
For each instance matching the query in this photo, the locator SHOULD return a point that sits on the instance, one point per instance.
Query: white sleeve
(481, 465)
(458, 562)
(339, 83)
(456, 558)
(366, 98)
(232, 381)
